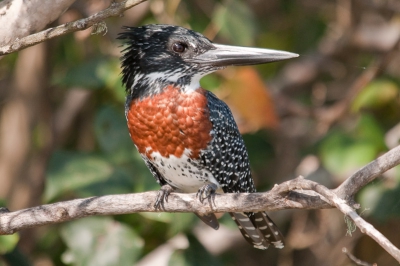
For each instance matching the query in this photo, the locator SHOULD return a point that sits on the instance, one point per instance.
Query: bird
(187, 137)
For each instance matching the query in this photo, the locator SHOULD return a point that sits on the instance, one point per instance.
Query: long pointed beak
(226, 55)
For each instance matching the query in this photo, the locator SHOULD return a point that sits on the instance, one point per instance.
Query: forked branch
(298, 193)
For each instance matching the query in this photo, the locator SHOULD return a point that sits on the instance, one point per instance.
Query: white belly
(182, 173)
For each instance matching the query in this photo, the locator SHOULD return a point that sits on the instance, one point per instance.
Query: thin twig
(115, 9)
(355, 259)
(365, 227)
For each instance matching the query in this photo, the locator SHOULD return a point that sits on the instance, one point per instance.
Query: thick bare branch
(11, 222)
(308, 195)
(19, 18)
(115, 9)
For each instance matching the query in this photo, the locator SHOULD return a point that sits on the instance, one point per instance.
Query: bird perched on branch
(187, 137)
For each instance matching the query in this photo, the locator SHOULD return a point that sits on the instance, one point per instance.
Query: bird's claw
(206, 191)
(162, 195)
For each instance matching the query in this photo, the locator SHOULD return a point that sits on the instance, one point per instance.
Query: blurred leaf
(85, 75)
(182, 222)
(382, 199)
(100, 241)
(120, 169)
(370, 196)
(236, 22)
(261, 151)
(178, 222)
(129, 169)
(273, 40)
(8, 243)
(3, 202)
(376, 94)
(15, 257)
(210, 82)
(69, 171)
(110, 73)
(87, 174)
(247, 96)
(305, 35)
(344, 152)
(178, 259)
(111, 130)
(369, 130)
(118, 182)
(194, 255)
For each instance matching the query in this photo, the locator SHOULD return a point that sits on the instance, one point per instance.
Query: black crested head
(158, 55)
(161, 54)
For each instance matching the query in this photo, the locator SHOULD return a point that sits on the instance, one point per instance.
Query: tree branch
(298, 193)
(342, 205)
(356, 260)
(11, 222)
(362, 177)
(20, 18)
(115, 9)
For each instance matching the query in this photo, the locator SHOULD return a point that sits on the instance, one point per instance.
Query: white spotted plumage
(182, 173)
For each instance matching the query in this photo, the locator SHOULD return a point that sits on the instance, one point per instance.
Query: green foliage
(109, 164)
(376, 95)
(8, 243)
(194, 255)
(382, 199)
(210, 82)
(100, 241)
(85, 75)
(117, 146)
(94, 74)
(116, 168)
(111, 131)
(342, 152)
(71, 171)
(236, 22)
(177, 222)
(15, 257)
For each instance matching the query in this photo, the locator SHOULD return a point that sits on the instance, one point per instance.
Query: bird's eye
(179, 47)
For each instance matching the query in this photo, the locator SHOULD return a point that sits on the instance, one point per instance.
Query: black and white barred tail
(258, 229)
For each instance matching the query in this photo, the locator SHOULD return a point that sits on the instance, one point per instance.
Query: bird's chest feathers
(170, 123)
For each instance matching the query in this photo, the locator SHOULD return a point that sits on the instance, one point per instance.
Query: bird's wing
(226, 155)
(159, 178)
(227, 159)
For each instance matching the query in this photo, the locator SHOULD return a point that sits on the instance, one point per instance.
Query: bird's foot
(206, 191)
(162, 195)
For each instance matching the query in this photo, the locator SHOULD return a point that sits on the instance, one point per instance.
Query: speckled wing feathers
(227, 159)
(226, 156)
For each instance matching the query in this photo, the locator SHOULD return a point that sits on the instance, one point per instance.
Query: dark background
(63, 133)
